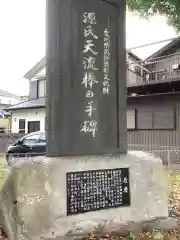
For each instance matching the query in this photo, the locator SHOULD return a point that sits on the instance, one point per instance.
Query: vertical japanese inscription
(90, 125)
(97, 189)
(106, 81)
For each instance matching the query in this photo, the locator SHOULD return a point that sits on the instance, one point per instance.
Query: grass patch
(3, 174)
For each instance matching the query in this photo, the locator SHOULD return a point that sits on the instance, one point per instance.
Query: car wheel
(9, 159)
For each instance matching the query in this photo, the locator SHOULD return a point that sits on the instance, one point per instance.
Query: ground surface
(173, 189)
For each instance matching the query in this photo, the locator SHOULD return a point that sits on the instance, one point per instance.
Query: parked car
(33, 144)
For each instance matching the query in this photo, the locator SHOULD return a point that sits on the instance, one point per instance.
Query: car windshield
(31, 139)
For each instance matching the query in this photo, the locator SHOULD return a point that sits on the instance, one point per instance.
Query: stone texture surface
(33, 199)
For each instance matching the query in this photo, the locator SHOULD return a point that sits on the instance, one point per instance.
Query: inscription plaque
(97, 189)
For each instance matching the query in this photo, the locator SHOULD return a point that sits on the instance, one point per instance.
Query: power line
(152, 43)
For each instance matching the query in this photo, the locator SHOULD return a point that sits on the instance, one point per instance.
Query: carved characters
(90, 125)
(106, 82)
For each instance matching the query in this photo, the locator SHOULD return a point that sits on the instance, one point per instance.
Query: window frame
(143, 128)
(157, 129)
(22, 131)
(38, 87)
(174, 120)
(33, 122)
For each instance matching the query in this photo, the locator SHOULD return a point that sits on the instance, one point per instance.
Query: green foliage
(149, 8)
(132, 236)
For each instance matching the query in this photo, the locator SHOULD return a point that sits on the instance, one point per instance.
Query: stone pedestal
(33, 201)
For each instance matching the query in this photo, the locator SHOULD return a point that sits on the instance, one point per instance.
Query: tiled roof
(36, 103)
(175, 43)
(7, 94)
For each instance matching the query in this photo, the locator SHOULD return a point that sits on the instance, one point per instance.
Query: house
(29, 116)
(135, 69)
(6, 100)
(153, 115)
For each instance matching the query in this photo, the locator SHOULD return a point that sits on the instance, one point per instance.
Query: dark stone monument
(86, 77)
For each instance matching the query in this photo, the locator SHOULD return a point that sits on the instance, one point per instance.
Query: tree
(149, 8)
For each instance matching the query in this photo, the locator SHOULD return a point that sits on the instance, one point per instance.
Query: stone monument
(87, 182)
(86, 77)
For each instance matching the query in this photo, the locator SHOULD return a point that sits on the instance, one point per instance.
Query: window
(144, 119)
(155, 118)
(33, 94)
(131, 119)
(164, 118)
(33, 126)
(22, 123)
(41, 88)
(32, 139)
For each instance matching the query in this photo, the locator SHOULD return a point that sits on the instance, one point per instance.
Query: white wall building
(29, 116)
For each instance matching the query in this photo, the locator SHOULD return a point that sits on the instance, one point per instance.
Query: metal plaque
(96, 190)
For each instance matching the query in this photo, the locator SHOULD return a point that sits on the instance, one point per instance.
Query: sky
(22, 39)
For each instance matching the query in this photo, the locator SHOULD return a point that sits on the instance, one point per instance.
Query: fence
(6, 139)
(170, 155)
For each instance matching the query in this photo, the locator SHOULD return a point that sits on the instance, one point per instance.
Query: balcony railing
(165, 69)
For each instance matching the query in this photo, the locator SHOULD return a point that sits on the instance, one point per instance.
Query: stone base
(33, 200)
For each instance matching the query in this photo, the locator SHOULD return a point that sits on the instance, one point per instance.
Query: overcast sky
(22, 39)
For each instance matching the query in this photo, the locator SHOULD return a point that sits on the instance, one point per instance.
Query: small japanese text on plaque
(97, 189)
